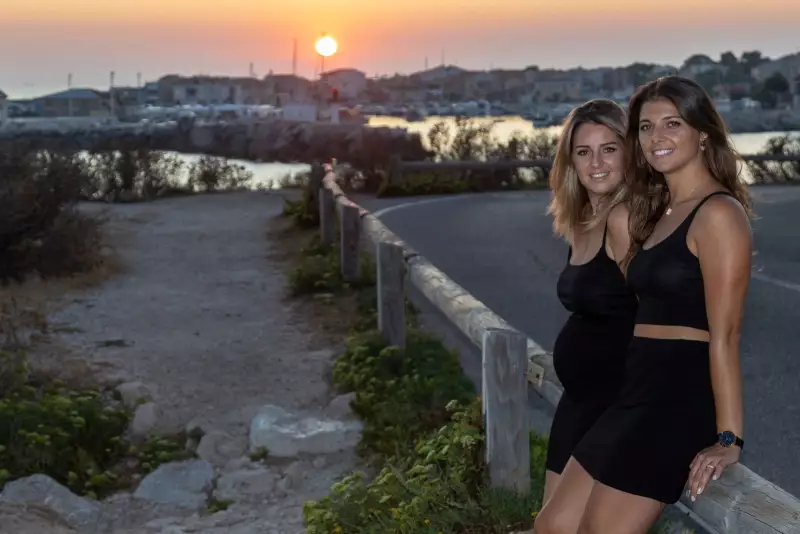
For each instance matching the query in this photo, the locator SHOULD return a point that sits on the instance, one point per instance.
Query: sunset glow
(326, 46)
(52, 38)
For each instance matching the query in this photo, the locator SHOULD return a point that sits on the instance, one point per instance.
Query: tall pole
(138, 89)
(294, 58)
(69, 99)
(111, 107)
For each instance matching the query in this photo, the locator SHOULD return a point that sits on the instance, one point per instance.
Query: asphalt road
(500, 247)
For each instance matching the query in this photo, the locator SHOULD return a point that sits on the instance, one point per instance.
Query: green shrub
(319, 271)
(367, 308)
(438, 486)
(78, 438)
(75, 437)
(400, 395)
(422, 421)
(159, 450)
(303, 212)
(427, 183)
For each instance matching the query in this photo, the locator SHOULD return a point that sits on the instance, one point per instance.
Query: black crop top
(597, 288)
(668, 281)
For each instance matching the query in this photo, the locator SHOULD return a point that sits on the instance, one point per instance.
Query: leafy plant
(76, 437)
(400, 395)
(319, 271)
(159, 450)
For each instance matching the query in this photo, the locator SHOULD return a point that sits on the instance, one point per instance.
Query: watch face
(727, 438)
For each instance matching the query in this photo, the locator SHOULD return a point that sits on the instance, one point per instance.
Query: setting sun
(326, 46)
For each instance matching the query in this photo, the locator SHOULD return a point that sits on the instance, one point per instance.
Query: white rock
(296, 472)
(239, 485)
(339, 406)
(185, 484)
(134, 392)
(145, 420)
(42, 490)
(239, 464)
(31, 519)
(286, 435)
(219, 448)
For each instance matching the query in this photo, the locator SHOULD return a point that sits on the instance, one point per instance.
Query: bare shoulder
(618, 219)
(722, 217)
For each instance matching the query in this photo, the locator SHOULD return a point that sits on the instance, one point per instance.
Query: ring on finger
(710, 466)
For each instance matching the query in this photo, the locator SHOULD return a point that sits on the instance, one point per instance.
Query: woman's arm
(618, 239)
(722, 240)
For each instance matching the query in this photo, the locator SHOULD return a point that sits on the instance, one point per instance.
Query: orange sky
(89, 37)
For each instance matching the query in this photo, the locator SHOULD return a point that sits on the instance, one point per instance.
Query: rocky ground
(199, 335)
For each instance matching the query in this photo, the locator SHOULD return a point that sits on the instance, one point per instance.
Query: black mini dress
(589, 353)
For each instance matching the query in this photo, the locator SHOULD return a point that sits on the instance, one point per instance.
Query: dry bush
(41, 230)
(768, 172)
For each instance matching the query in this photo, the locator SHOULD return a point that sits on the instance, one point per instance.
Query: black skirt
(664, 415)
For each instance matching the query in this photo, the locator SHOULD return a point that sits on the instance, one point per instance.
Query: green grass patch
(78, 438)
(422, 424)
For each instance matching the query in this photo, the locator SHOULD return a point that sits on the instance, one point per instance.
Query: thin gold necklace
(669, 208)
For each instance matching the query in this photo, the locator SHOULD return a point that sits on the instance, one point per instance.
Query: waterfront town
(749, 83)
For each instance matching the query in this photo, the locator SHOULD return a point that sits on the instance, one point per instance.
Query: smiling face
(597, 158)
(668, 142)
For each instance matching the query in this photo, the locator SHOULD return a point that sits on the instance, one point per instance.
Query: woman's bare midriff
(659, 331)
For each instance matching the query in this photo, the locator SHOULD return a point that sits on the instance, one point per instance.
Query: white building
(205, 91)
(348, 82)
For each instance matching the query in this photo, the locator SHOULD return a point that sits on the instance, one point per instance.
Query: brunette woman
(677, 422)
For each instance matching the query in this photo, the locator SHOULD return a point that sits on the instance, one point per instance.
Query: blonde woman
(589, 353)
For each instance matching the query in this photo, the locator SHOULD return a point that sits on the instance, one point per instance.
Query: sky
(43, 41)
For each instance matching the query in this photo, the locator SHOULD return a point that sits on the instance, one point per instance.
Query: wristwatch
(728, 438)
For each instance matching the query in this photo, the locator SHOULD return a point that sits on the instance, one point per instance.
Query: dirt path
(200, 313)
(200, 317)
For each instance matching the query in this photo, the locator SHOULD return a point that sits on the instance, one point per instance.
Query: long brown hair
(648, 195)
(570, 205)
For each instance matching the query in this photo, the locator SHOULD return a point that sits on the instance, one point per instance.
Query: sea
(269, 175)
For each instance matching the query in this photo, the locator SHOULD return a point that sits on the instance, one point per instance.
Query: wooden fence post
(505, 400)
(395, 170)
(391, 293)
(315, 183)
(327, 216)
(350, 229)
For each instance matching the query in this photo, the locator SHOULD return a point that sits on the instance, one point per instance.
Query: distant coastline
(758, 121)
(738, 121)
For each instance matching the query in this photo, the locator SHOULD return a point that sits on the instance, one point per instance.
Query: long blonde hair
(570, 205)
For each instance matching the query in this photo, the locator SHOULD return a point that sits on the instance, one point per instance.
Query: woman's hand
(708, 464)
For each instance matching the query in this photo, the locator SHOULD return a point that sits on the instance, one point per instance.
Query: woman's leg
(551, 480)
(562, 511)
(610, 510)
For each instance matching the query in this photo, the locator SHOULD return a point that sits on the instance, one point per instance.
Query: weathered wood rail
(739, 502)
(398, 167)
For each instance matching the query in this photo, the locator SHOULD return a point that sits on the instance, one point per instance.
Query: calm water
(269, 174)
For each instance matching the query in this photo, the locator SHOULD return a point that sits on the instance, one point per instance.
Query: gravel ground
(200, 313)
(200, 316)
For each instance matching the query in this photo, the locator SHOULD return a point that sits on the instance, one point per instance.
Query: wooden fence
(398, 167)
(739, 502)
